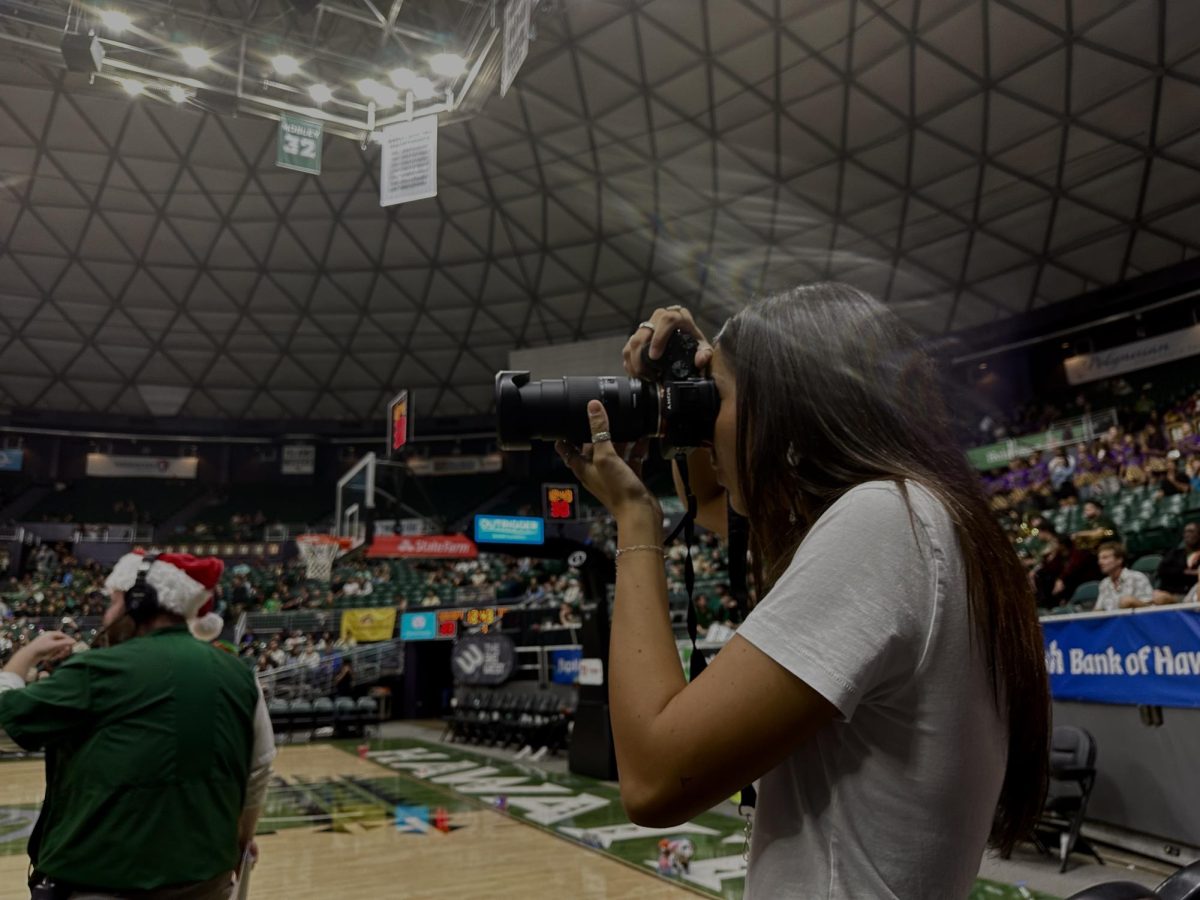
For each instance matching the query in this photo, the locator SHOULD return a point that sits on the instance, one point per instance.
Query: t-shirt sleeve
(50, 710)
(852, 614)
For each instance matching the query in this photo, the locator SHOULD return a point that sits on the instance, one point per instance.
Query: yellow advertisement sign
(366, 625)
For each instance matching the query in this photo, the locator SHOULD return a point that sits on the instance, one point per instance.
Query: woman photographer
(889, 691)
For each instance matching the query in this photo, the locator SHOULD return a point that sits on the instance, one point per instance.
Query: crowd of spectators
(1064, 509)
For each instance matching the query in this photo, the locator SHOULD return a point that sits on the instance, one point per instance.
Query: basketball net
(318, 551)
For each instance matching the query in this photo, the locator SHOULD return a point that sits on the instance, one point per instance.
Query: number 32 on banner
(298, 146)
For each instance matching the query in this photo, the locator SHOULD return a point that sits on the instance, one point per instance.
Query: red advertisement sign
(428, 546)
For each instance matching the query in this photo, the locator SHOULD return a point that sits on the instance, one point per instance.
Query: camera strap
(687, 525)
(738, 539)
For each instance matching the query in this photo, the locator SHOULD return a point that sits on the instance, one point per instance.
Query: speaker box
(428, 682)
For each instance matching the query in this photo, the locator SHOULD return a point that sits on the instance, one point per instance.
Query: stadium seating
(117, 500)
(508, 717)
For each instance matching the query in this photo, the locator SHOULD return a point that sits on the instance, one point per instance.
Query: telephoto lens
(556, 408)
(679, 409)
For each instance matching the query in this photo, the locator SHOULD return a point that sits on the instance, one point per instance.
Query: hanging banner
(299, 145)
(12, 460)
(1149, 658)
(516, 41)
(106, 465)
(299, 459)
(1132, 357)
(408, 169)
(483, 659)
(368, 625)
(437, 546)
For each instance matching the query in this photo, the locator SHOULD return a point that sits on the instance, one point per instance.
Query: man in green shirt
(158, 749)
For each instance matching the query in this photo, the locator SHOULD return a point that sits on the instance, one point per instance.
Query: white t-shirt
(896, 797)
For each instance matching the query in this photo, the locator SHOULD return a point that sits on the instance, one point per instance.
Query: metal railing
(370, 661)
(1059, 434)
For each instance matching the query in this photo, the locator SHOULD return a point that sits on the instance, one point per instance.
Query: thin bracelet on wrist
(655, 547)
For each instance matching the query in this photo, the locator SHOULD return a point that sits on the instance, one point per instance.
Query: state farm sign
(429, 546)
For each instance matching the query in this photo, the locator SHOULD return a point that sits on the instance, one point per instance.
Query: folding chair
(368, 714)
(281, 717)
(302, 717)
(1117, 890)
(1072, 776)
(1183, 885)
(323, 713)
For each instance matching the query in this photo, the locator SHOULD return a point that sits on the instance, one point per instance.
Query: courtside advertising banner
(564, 665)
(12, 460)
(1144, 658)
(510, 530)
(428, 546)
(420, 626)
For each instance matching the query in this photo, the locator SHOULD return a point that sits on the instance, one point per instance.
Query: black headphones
(141, 600)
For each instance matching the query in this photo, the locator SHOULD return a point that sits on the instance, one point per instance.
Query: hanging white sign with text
(1131, 357)
(408, 169)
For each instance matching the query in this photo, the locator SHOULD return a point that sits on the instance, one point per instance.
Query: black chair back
(1071, 748)
(1183, 885)
(1117, 890)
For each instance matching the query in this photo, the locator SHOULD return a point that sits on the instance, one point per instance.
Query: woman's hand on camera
(612, 473)
(665, 322)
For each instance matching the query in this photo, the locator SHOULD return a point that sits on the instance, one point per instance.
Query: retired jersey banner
(367, 625)
(431, 546)
(1144, 658)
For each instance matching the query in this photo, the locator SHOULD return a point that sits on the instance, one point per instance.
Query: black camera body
(678, 407)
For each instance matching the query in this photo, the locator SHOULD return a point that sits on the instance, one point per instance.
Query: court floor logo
(16, 824)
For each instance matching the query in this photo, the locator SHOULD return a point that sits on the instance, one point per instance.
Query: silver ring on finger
(600, 437)
(649, 325)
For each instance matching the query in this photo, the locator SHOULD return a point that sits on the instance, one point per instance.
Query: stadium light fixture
(177, 94)
(423, 89)
(133, 87)
(195, 57)
(320, 93)
(448, 65)
(115, 20)
(403, 78)
(285, 65)
(383, 96)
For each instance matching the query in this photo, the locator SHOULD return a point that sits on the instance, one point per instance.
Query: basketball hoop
(319, 552)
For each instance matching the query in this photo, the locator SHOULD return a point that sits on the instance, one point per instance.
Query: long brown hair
(834, 391)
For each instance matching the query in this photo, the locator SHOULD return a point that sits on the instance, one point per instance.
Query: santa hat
(184, 584)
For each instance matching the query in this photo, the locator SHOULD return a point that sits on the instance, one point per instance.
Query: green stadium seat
(1085, 595)
(1148, 564)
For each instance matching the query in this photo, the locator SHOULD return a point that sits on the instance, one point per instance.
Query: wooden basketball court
(487, 854)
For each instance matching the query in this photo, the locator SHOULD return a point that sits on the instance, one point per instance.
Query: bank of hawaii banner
(1147, 658)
